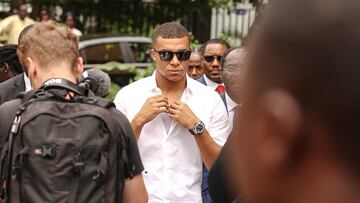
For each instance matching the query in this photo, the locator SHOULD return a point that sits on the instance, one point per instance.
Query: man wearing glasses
(212, 53)
(178, 122)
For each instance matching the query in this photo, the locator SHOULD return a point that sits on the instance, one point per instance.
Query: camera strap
(60, 83)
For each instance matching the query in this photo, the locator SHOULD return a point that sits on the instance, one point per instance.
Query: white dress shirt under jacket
(27, 83)
(172, 161)
(230, 104)
(231, 107)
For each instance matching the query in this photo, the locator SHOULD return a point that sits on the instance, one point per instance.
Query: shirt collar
(231, 104)
(210, 83)
(156, 90)
(27, 83)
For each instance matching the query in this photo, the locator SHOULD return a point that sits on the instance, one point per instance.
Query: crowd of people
(11, 26)
(272, 121)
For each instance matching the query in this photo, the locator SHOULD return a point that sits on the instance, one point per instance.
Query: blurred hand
(183, 115)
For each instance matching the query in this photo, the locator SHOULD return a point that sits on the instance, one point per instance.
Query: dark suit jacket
(218, 185)
(202, 80)
(10, 88)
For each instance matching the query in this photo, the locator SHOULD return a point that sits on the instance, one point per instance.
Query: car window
(141, 51)
(102, 53)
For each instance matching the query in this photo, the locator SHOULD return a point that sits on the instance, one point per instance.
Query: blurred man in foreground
(296, 138)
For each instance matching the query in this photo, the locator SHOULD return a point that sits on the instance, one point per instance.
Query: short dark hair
(170, 30)
(214, 41)
(8, 55)
(24, 31)
(314, 55)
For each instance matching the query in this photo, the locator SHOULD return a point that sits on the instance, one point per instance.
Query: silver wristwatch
(198, 128)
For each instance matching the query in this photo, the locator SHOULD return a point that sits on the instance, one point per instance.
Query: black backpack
(63, 150)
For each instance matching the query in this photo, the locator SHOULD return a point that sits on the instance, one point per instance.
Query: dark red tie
(220, 89)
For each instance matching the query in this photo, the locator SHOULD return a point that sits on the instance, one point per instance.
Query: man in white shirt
(179, 123)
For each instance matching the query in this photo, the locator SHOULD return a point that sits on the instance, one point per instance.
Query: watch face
(199, 128)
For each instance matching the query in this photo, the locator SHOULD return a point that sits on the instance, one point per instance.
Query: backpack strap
(98, 101)
(8, 144)
(78, 167)
(105, 103)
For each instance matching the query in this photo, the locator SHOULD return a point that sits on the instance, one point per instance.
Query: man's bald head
(233, 68)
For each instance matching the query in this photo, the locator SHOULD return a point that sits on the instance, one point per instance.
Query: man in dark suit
(233, 65)
(212, 52)
(10, 88)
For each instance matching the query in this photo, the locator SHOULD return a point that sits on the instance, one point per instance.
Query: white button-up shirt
(172, 161)
(213, 85)
(231, 107)
(27, 83)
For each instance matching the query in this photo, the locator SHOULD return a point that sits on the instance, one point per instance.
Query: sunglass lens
(183, 55)
(209, 59)
(166, 55)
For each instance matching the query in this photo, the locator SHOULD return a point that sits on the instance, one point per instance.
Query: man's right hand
(151, 108)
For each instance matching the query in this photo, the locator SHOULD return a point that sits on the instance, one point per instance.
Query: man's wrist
(197, 129)
(193, 123)
(137, 122)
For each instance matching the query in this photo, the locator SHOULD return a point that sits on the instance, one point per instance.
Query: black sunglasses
(182, 55)
(210, 59)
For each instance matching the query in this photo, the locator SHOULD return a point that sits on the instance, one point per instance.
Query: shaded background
(139, 17)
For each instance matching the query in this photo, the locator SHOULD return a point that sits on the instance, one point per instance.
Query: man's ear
(33, 73)
(282, 120)
(153, 54)
(31, 67)
(79, 69)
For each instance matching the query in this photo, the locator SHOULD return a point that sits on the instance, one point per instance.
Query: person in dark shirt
(9, 62)
(50, 51)
(10, 88)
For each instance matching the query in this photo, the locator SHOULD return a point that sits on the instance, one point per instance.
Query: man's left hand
(182, 114)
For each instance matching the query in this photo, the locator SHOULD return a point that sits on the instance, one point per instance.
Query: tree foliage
(136, 17)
